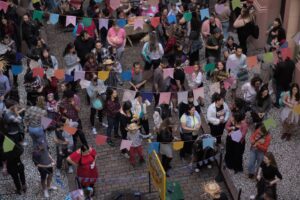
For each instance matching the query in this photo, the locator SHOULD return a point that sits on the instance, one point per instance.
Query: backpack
(164, 111)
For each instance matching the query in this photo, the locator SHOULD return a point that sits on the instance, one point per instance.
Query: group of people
(170, 45)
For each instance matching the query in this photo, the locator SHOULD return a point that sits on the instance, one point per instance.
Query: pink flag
(138, 23)
(45, 121)
(79, 75)
(71, 20)
(114, 4)
(155, 21)
(198, 92)
(285, 53)
(168, 72)
(153, 2)
(125, 144)
(189, 70)
(101, 139)
(3, 6)
(103, 23)
(182, 97)
(164, 97)
(215, 88)
(219, 8)
(128, 95)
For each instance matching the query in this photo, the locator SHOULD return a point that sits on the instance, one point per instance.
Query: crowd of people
(170, 45)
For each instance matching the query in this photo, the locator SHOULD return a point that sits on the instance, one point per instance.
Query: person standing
(116, 37)
(213, 46)
(217, 115)
(223, 15)
(83, 45)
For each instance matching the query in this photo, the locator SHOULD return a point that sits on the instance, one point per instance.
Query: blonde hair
(41, 102)
(3, 64)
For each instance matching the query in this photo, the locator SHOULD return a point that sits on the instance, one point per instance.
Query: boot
(168, 166)
(164, 162)
(283, 136)
(288, 137)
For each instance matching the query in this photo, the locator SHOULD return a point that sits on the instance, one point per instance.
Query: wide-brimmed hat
(133, 127)
(213, 189)
(108, 62)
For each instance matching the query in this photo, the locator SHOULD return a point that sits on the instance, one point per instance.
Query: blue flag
(19, 56)
(16, 69)
(172, 19)
(54, 18)
(121, 22)
(208, 142)
(68, 78)
(153, 146)
(204, 13)
(147, 96)
(126, 75)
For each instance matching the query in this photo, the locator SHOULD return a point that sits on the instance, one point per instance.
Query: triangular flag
(59, 74)
(236, 4)
(296, 38)
(147, 96)
(101, 139)
(251, 61)
(204, 13)
(189, 70)
(87, 21)
(187, 16)
(37, 15)
(70, 20)
(45, 121)
(198, 92)
(19, 56)
(219, 8)
(269, 123)
(229, 82)
(103, 23)
(168, 72)
(155, 21)
(38, 71)
(114, 4)
(286, 53)
(125, 144)
(84, 83)
(126, 75)
(268, 57)
(103, 75)
(79, 75)
(164, 98)
(296, 109)
(153, 2)
(70, 130)
(3, 6)
(8, 144)
(121, 22)
(138, 23)
(16, 69)
(182, 96)
(128, 95)
(214, 88)
(208, 142)
(49, 73)
(69, 78)
(54, 18)
(153, 146)
(178, 145)
(171, 19)
(209, 67)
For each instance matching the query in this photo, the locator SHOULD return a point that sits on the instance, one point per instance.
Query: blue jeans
(38, 136)
(225, 27)
(113, 123)
(256, 157)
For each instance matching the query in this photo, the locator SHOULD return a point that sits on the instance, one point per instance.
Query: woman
(137, 81)
(230, 47)
(209, 26)
(112, 111)
(165, 138)
(190, 125)
(243, 26)
(139, 110)
(71, 59)
(262, 105)
(32, 119)
(90, 67)
(195, 46)
(116, 37)
(220, 75)
(196, 78)
(222, 9)
(177, 83)
(288, 117)
(235, 147)
(85, 161)
(268, 176)
(152, 52)
(272, 32)
(250, 89)
(170, 47)
(48, 61)
(217, 116)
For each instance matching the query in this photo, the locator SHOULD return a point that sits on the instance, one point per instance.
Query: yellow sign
(158, 174)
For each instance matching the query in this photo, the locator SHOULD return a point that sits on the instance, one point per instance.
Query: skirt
(166, 149)
(288, 116)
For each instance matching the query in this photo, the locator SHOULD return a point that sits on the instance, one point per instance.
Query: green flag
(8, 145)
(87, 21)
(269, 123)
(38, 15)
(268, 57)
(236, 4)
(209, 67)
(187, 16)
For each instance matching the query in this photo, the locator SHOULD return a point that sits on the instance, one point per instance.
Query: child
(136, 137)
(52, 109)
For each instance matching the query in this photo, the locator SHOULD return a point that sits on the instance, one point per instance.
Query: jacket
(283, 73)
(137, 108)
(265, 141)
(112, 108)
(205, 30)
(212, 111)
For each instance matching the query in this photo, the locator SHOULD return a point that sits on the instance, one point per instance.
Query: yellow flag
(103, 75)
(296, 109)
(8, 145)
(35, 1)
(178, 145)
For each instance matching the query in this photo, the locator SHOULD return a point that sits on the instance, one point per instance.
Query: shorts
(166, 149)
(45, 171)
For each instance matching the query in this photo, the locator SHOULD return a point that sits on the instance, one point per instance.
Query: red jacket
(170, 44)
(262, 146)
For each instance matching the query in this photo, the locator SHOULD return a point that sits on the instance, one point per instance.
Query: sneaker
(104, 124)
(19, 192)
(209, 166)
(126, 155)
(46, 194)
(70, 170)
(94, 131)
(24, 188)
(111, 143)
(58, 173)
(251, 176)
(24, 143)
(175, 110)
(197, 170)
(52, 187)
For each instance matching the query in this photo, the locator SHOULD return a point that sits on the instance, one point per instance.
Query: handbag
(243, 75)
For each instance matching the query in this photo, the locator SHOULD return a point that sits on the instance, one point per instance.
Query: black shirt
(213, 41)
(178, 75)
(269, 172)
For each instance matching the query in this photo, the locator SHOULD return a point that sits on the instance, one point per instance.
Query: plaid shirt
(68, 110)
(33, 116)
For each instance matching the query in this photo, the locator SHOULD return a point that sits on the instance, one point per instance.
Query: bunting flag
(49, 73)
(171, 19)
(121, 23)
(168, 72)
(54, 18)
(45, 121)
(236, 4)
(8, 145)
(79, 75)
(69, 78)
(178, 145)
(103, 23)
(101, 139)
(128, 95)
(187, 16)
(37, 15)
(147, 96)
(87, 21)
(153, 2)
(204, 13)
(198, 92)
(16, 69)
(214, 88)
(252, 61)
(155, 21)
(269, 123)
(59, 74)
(182, 97)
(138, 23)
(70, 130)
(286, 53)
(219, 8)
(125, 144)
(126, 75)
(189, 69)
(70, 20)
(114, 4)
(38, 71)
(3, 6)
(164, 98)
(84, 84)
(153, 146)
(268, 57)
(103, 75)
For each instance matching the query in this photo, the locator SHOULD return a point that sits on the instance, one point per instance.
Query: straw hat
(108, 62)
(213, 189)
(133, 127)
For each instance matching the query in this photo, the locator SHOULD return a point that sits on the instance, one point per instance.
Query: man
(235, 64)
(159, 83)
(213, 46)
(4, 85)
(83, 45)
(101, 53)
(30, 31)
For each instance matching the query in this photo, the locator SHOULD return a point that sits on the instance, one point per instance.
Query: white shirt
(249, 92)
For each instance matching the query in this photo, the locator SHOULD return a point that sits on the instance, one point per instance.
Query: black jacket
(283, 73)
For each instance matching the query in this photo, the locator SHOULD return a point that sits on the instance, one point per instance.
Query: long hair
(271, 157)
(153, 43)
(297, 96)
(68, 48)
(41, 102)
(166, 124)
(259, 97)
